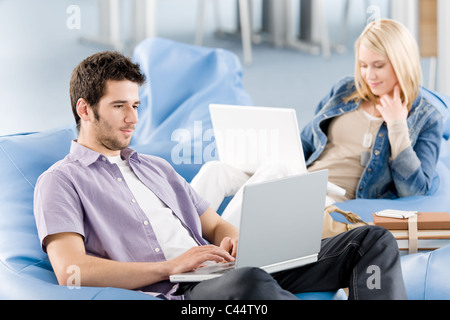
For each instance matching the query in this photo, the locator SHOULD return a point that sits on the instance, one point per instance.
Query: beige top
(349, 137)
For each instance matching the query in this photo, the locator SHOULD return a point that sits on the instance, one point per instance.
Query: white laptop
(281, 226)
(248, 137)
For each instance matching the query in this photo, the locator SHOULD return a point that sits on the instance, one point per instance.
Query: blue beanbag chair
(182, 80)
(426, 275)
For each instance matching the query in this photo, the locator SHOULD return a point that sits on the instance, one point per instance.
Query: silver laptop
(248, 137)
(281, 226)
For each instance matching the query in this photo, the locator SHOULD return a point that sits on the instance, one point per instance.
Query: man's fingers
(215, 253)
(229, 245)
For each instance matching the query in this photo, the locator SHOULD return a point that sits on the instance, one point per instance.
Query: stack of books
(431, 231)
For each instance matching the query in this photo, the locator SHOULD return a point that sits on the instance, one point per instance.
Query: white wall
(407, 12)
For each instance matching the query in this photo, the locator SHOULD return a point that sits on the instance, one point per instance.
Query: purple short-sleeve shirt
(86, 194)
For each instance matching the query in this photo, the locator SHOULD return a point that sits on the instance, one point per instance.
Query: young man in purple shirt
(129, 220)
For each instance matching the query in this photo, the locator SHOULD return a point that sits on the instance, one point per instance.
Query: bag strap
(413, 234)
(350, 216)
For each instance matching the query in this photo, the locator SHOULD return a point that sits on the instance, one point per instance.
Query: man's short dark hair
(88, 80)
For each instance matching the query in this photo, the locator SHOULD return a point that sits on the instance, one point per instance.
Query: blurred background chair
(281, 25)
(245, 13)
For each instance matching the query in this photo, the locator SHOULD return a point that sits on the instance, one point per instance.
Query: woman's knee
(209, 174)
(212, 167)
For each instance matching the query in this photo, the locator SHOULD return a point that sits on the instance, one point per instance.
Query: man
(129, 220)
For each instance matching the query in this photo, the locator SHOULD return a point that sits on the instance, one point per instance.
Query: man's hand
(229, 245)
(196, 256)
(217, 231)
(392, 108)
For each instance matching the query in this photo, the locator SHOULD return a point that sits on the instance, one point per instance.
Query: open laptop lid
(281, 226)
(248, 137)
(281, 222)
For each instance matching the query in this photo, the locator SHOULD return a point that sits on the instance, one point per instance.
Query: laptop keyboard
(224, 270)
(221, 268)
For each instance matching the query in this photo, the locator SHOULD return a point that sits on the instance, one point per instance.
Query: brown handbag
(332, 228)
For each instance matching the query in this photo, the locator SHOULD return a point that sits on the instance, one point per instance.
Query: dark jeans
(366, 260)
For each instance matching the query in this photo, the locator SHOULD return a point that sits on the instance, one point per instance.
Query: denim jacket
(410, 174)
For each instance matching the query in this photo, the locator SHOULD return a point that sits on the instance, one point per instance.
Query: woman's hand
(391, 108)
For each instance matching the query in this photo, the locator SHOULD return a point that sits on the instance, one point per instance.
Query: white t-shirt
(173, 237)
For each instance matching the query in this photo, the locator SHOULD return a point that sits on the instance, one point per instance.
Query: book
(422, 234)
(425, 221)
(423, 244)
(433, 230)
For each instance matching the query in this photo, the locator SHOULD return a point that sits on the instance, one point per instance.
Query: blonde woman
(374, 132)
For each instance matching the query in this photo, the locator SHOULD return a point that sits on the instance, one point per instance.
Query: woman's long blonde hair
(392, 40)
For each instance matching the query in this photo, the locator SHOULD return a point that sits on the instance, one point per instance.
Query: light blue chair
(182, 81)
(426, 275)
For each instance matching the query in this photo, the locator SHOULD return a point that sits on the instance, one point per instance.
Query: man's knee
(381, 238)
(251, 283)
(381, 234)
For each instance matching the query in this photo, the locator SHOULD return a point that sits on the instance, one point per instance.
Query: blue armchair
(182, 81)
